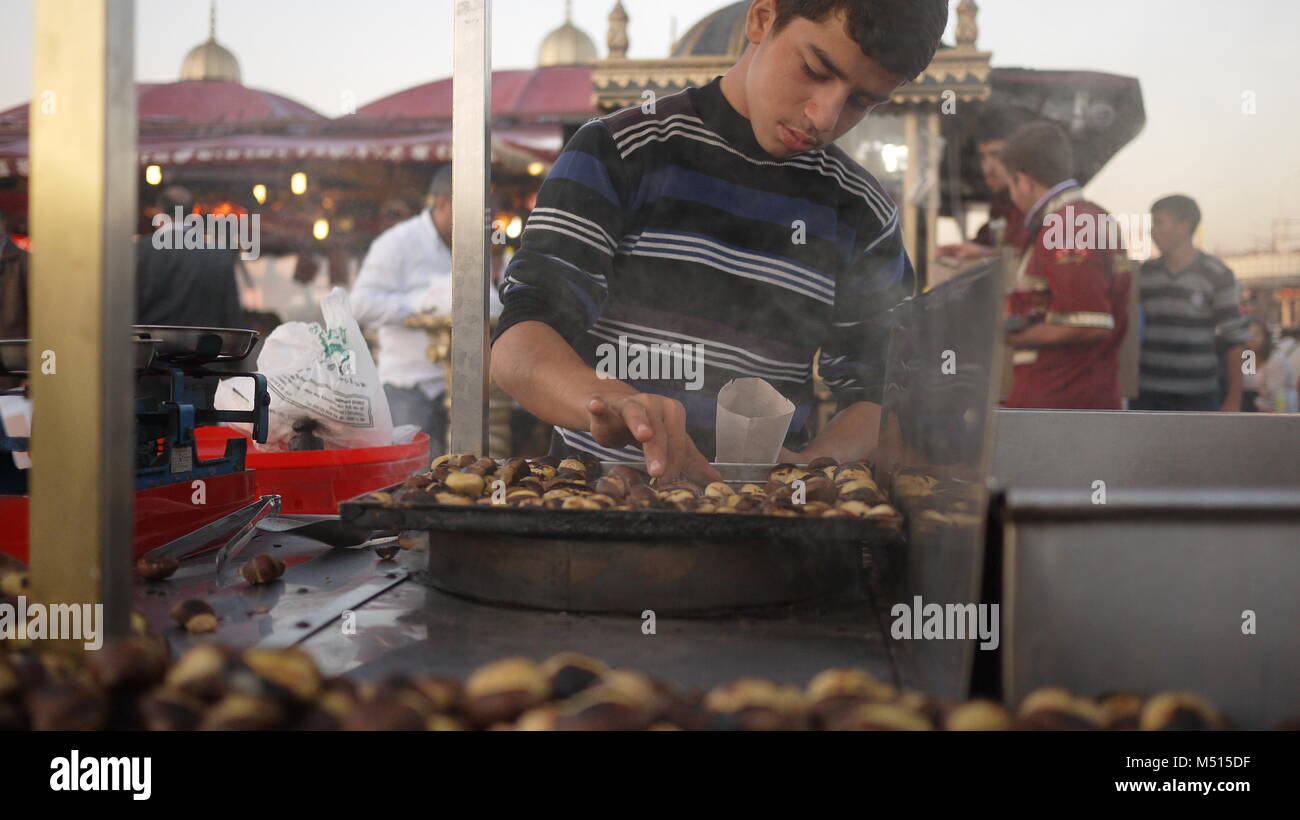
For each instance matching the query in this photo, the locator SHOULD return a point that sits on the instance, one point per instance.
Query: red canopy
(199, 102)
(518, 145)
(547, 93)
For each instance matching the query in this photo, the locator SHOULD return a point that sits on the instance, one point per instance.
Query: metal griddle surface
(633, 560)
(624, 525)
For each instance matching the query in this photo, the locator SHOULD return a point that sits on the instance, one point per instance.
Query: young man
(722, 217)
(1190, 311)
(1006, 225)
(1070, 311)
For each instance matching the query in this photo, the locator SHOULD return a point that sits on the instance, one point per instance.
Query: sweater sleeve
(853, 360)
(560, 273)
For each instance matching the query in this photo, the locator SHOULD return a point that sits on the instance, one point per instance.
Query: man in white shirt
(408, 271)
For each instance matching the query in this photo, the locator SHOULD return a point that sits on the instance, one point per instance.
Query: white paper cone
(753, 419)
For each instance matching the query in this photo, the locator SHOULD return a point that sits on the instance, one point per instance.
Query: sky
(1196, 59)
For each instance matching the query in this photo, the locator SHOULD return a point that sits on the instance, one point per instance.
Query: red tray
(317, 481)
(162, 514)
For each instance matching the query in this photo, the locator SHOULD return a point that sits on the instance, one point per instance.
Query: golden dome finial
(210, 60)
(566, 45)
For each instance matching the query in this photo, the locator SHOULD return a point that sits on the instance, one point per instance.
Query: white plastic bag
(324, 374)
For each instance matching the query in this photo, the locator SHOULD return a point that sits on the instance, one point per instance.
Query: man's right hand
(658, 425)
(966, 251)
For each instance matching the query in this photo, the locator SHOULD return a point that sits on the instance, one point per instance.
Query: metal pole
(911, 173)
(83, 208)
(471, 92)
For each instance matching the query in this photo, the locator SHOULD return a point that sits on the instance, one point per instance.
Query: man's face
(995, 175)
(441, 212)
(809, 83)
(1169, 233)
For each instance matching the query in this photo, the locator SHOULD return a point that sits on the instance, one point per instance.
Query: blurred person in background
(1192, 322)
(1070, 309)
(1257, 342)
(193, 287)
(13, 285)
(407, 271)
(13, 293)
(1291, 338)
(1006, 225)
(1277, 377)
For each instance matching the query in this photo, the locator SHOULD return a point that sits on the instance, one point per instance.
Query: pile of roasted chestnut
(132, 685)
(823, 488)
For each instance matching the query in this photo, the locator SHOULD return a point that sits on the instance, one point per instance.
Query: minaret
(616, 37)
(968, 31)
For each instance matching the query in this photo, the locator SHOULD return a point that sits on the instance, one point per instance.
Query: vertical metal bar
(934, 170)
(83, 208)
(470, 133)
(911, 173)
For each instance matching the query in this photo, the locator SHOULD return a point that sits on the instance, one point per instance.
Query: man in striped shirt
(720, 226)
(1191, 319)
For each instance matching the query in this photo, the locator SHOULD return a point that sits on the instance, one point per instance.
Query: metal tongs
(243, 522)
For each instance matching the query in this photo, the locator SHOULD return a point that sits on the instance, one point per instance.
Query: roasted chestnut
(513, 470)
(570, 672)
(1123, 710)
(202, 671)
(978, 716)
(881, 717)
(239, 712)
(467, 484)
(758, 705)
(170, 710)
(156, 569)
(195, 615)
(1055, 709)
(503, 690)
(62, 707)
(288, 674)
(14, 583)
(262, 569)
(1179, 711)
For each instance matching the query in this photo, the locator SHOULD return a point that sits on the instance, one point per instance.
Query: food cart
(1143, 592)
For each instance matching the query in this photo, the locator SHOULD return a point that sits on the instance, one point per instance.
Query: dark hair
(440, 185)
(1041, 151)
(1266, 349)
(172, 197)
(999, 122)
(1180, 207)
(901, 35)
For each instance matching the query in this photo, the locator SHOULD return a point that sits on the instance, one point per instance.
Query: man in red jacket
(1068, 313)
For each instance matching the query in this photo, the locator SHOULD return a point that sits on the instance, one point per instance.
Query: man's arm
(1048, 334)
(379, 297)
(1232, 366)
(852, 362)
(1230, 327)
(852, 435)
(556, 287)
(536, 366)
